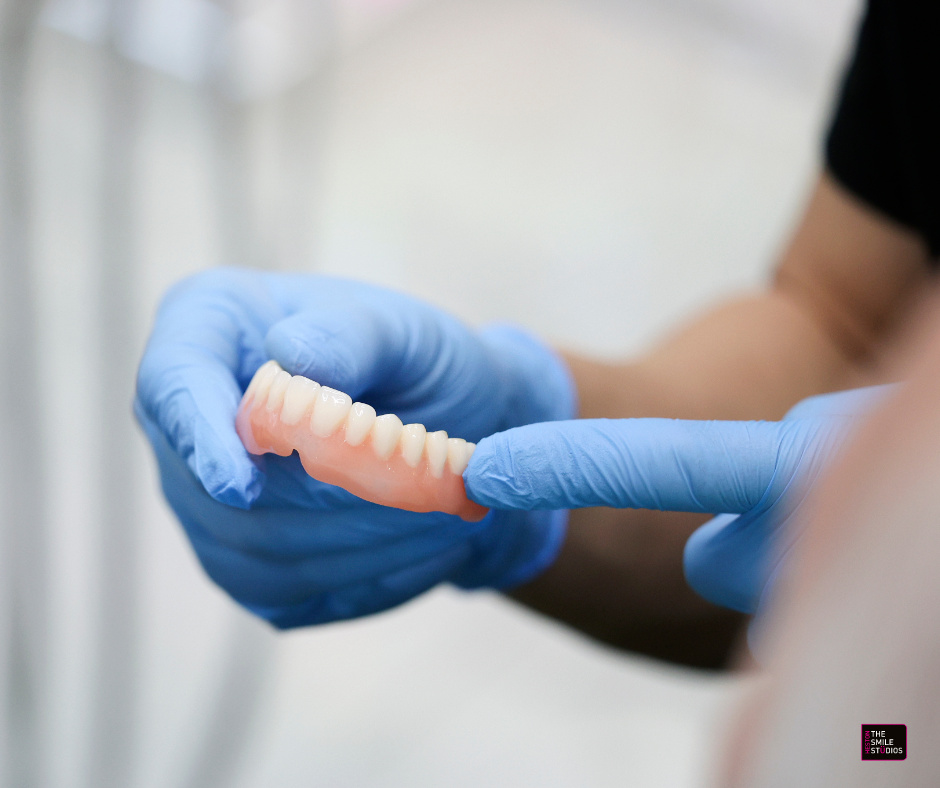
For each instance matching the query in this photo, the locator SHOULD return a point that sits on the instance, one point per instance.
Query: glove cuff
(513, 549)
(538, 384)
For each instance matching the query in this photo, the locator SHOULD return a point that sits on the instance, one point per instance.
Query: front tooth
(412, 443)
(358, 423)
(300, 394)
(261, 382)
(457, 456)
(385, 434)
(278, 389)
(329, 410)
(436, 448)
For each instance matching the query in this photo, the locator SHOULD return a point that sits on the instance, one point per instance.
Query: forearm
(844, 285)
(749, 359)
(619, 575)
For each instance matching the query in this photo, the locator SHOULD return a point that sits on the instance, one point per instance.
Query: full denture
(344, 443)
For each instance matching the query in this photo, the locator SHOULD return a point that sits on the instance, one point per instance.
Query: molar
(359, 422)
(278, 389)
(261, 382)
(412, 443)
(457, 455)
(435, 446)
(385, 434)
(329, 410)
(300, 395)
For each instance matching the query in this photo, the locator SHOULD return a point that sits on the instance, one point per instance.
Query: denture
(345, 443)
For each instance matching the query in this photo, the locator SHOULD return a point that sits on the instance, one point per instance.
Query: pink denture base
(358, 469)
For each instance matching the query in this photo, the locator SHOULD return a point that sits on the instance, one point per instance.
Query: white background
(594, 170)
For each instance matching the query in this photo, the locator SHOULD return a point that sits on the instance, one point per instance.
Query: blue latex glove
(288, 547)
(756, 472)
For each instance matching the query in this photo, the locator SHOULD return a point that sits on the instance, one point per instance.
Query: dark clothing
(884, 143)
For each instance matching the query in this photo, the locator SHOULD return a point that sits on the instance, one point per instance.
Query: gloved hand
(757, 472)
(288, 547)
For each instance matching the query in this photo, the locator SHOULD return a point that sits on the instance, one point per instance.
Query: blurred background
(593, 169)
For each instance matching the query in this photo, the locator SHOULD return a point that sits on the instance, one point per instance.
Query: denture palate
(345, 443)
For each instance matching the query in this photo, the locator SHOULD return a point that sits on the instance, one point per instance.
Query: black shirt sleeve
(884, 142)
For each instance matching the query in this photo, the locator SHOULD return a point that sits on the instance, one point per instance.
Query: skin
(853, 635)
(847, 283)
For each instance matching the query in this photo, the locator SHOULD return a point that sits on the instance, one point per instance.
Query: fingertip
(225, 469)
(720, 562)
(332, 348)
(474, 479)
(239, 495)
(288, 346)
(237, 485)
(490, 478)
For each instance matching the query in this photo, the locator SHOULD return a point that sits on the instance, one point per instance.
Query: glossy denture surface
(343, 442)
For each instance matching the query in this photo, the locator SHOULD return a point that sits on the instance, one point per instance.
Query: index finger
(207, 337)
(689, 466)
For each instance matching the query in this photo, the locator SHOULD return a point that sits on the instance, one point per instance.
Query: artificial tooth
(412, 443)
(329, 410)
(457, 455)
(261, 382)
(278, 389)
(358, 423)
(435, 445)
(385, 434)
(300, 395)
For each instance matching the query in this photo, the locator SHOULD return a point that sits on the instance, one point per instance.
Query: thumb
(346, 348)
(688, 466)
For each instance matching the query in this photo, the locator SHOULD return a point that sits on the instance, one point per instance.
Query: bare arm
(842, 288)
